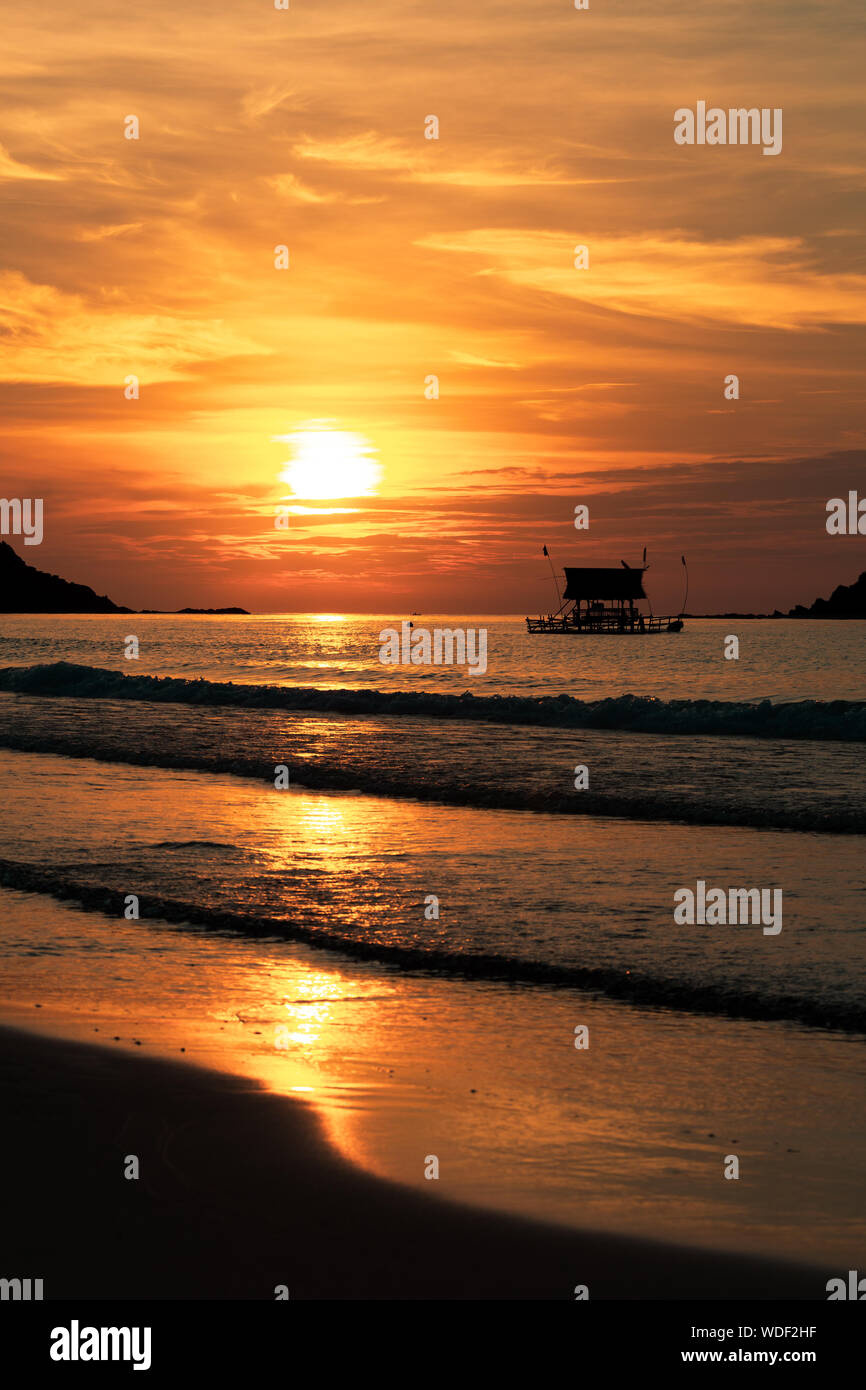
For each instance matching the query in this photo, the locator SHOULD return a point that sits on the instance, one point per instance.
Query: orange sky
(412, 257)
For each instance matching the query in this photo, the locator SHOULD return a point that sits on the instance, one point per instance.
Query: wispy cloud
(771, 281)
(11, 168)
(53, 336)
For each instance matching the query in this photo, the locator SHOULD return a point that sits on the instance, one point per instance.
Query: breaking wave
(840, 720)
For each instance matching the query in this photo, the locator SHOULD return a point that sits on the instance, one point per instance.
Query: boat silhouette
(602, 601)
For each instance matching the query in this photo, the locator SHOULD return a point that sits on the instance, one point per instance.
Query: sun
(328, 463)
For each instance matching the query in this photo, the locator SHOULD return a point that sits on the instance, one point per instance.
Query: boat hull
(651, 627)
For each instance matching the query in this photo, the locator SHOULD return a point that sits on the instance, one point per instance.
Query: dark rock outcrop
(25, 589)
(846, 601)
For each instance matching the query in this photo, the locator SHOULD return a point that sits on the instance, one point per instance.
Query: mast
(555, 580)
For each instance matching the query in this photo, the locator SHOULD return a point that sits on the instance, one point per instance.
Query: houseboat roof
(588, 583)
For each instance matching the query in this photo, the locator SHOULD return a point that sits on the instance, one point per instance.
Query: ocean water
(779, 660)
(308, 910)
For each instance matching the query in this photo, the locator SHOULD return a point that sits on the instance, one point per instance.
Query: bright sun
(329, 463)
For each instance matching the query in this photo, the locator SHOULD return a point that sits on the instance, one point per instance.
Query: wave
(841, 720)
(659, 804)
(643, 990)
(192, 844)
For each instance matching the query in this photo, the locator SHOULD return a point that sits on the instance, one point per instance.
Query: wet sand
(240, 1193)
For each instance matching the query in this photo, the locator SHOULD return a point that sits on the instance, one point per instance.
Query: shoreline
(626, 1138)
(239, 1192)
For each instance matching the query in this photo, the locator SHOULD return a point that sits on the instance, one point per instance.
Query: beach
(239, 1193)
(429, 945)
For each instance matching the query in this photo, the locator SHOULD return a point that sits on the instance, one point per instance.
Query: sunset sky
(411, 257)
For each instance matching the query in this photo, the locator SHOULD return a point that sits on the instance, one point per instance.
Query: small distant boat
(602, 602)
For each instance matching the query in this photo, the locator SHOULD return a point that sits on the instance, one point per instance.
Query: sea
(438, 905)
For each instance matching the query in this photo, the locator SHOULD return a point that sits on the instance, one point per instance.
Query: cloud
(467, 359)
(760, 280)
(103, 233)
(50, 335)
(290, 187)
(430, 162)
(11, 169)
(261, 101)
